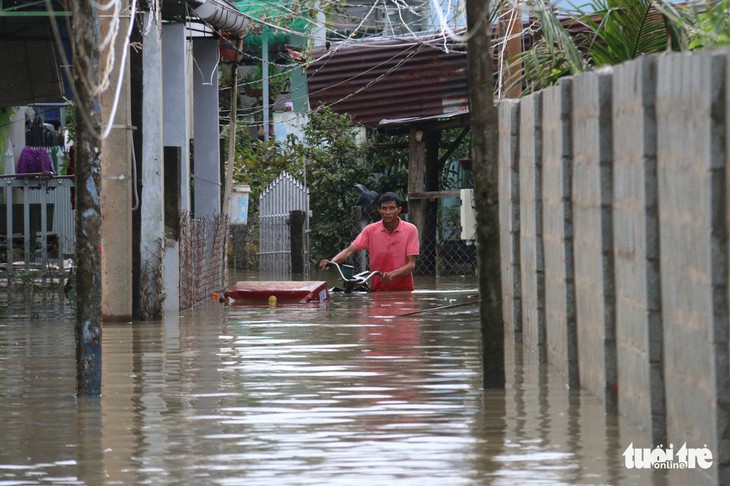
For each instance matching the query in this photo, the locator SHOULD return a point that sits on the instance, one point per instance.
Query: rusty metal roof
(392, 78)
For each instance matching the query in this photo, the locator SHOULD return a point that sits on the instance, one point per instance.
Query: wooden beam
(417, 209)
(433, 194)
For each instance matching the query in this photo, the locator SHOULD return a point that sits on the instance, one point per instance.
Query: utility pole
(484, 159)
(85, 43)
(231, 158)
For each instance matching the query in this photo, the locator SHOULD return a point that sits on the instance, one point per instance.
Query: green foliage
(543, 67)
(555, 37)
(711, 27)
(389, 163)
(259, 163)
(617, 31)
(252, 83)
(334, 161)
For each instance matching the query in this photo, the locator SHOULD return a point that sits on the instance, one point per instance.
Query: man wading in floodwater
(392, 246)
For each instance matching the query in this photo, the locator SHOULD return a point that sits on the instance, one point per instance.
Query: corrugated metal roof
(391, 79)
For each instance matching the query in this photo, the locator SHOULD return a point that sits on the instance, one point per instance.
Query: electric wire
(95, 90)
(155, 8)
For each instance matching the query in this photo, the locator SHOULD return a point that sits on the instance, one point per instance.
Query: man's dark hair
(387, 197)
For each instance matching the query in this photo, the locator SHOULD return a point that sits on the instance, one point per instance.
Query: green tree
(335, 161)
(705, 25)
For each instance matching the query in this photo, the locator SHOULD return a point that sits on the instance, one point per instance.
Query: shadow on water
(346, 392)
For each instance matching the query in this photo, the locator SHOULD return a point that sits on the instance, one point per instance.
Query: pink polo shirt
(388, 252)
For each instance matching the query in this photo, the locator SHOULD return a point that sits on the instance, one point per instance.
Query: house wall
(206, 153)
(176, 94)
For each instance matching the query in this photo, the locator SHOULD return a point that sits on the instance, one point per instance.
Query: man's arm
(340, 257)
(399, 272)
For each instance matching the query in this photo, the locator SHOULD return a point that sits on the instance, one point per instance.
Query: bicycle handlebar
(360, 278)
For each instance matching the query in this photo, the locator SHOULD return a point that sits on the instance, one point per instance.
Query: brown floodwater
(349, 392)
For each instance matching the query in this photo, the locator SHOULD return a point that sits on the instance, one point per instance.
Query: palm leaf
(622, 30)
(556, 37)
(551, 57)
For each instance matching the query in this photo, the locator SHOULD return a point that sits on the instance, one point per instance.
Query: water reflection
(348, 392)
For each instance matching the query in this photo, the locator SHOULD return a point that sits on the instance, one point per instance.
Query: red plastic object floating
(303, 292)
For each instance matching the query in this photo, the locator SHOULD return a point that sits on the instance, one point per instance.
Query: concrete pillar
(595, 303)
(116, 189)
(557, 179)
(206, 154)
(152, 209)
(177, 134)
(509, 214)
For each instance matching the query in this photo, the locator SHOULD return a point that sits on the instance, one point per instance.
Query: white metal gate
(282, 196)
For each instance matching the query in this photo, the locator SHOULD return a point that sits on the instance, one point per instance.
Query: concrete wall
(628, 170)
(509, 217)
(176, 133)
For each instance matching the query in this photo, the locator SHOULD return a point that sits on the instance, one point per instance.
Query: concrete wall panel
(691, 111)
(593, 240)
(560, 320)
(509, 214)
(639, 333)
(531, 257)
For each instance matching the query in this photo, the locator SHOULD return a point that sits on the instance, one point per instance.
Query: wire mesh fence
(443, 252)
(152, 283)
(202, 258)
